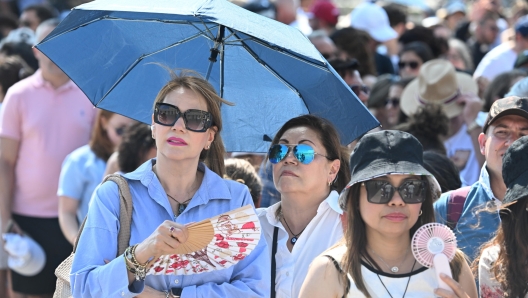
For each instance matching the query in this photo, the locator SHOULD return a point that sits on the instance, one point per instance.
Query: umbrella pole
(214, 50)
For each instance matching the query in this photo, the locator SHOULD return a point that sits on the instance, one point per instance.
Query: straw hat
(438, 83)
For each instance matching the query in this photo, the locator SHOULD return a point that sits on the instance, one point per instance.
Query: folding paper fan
(213, 244)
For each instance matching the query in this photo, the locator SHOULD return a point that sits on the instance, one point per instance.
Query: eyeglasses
(357, 89)
(304, 153)
(394, 101)
(411, 64)
(381, 192)
(195, 120)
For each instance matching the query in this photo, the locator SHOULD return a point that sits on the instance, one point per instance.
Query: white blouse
(323, 231)
(421, 282)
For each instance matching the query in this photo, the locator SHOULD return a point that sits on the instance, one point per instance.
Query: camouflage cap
(512, 105)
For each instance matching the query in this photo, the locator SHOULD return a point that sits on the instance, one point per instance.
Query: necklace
(293, 239)
(393, 269)
(181, 206)
(406, 287)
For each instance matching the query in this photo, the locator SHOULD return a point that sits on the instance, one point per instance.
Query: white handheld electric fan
(434, 246)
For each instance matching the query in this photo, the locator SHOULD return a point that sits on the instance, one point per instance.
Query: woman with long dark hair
(502, 268)
(389, 197)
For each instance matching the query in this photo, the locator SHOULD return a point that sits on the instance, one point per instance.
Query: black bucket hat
(383, 153)
(515, 170)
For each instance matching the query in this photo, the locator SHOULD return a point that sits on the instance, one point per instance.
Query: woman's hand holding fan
(212, 244)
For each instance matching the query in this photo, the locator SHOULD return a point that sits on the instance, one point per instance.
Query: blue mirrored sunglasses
(304, 153)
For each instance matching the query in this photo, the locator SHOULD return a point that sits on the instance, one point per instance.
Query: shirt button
(176, 281)
(122, 293)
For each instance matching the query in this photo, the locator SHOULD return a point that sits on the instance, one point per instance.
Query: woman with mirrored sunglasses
(389, 197)
(309, 168)
(183, 184)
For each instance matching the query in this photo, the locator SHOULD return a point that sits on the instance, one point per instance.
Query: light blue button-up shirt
(90, 277)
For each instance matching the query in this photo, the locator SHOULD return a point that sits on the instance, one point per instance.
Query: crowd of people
(449, 88)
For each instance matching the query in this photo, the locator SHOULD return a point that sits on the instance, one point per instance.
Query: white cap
(431, 22)
(26, 257)
(371, 18)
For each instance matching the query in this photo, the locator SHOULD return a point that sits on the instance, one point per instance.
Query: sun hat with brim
(386, 153)
(437, 83)
(515, 170)
(512, 105)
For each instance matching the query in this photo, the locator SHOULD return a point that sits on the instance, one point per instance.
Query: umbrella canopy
(112, 50)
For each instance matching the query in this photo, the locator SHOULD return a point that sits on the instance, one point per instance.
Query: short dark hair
(8, 21)
(443, 169)
(137, 141)
(12, 70)
(437, 45)
(396, 14)
(242, 171)
(488, 15)
(421, 49)
(329, 137)
(43, 12)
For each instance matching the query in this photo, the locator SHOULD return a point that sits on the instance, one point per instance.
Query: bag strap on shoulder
(455, 205)
(125, 213)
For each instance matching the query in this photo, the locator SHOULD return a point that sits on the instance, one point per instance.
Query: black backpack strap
(273, 263)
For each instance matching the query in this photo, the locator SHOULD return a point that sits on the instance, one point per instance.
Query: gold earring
(329, 183)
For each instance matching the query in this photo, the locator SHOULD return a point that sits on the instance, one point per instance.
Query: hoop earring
(330, 183)
(420, 214)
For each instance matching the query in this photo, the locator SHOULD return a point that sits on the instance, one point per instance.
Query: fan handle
(441, 265)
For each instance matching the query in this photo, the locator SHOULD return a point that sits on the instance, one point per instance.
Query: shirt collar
(212, 187)
(40, 82)
(484, 181)
(331, 202)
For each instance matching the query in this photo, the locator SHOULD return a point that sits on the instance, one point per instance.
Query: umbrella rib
(271, 70)
(143, 57)
(174, 44)
(280, 50)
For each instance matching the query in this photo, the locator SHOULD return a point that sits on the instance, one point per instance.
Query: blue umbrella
(112, 50)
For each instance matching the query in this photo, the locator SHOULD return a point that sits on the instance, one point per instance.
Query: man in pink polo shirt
(43, 119)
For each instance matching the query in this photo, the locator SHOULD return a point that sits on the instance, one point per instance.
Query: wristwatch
(176, 292)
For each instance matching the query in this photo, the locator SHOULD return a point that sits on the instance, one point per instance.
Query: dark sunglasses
(195, 120)
(381, 192)
(412, 64)
(360, 88)
(304, 153)
(393, 101)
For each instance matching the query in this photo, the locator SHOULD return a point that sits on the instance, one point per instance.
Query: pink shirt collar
(38, 81)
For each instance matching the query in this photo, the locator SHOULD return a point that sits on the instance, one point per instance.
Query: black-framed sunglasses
(394, 101)
(381, 192)
(304, 153)
(195, 120)
(357, 89)
(411, 64)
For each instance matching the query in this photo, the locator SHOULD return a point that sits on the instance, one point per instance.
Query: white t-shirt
(460, 150)
(322, 232)
(498, 60)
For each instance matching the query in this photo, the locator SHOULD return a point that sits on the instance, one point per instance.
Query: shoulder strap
(455, 205)
(341, 272)
(273, 262)
(125, 213)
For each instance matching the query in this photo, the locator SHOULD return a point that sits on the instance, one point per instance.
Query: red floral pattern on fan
(235, 235)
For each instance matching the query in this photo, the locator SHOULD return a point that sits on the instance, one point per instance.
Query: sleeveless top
(379, 284)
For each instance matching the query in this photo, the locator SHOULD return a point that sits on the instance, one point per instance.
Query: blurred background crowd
(430, 68)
